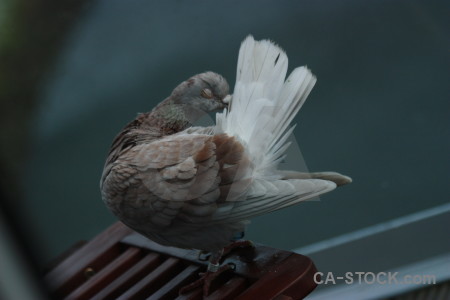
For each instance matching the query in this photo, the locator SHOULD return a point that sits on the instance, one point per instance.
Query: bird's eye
(206, 93)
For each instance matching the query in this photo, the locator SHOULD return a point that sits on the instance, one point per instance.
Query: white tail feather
(266, 196)
(264, 104)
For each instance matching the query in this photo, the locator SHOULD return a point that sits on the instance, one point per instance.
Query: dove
(195, 187)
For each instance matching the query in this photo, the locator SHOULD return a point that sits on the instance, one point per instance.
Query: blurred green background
(73, 73)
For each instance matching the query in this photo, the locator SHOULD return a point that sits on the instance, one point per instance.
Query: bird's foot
(205, 280)
(214, 267)
(247, 252)
(237, 244)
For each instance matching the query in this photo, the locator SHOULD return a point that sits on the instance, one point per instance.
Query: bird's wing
(179, 177)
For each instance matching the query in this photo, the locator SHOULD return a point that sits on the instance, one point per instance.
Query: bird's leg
(214, 269)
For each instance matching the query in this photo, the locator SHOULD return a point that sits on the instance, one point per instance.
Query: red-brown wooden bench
(120, 264)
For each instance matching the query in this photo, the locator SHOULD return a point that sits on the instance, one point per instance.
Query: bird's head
(207, 92)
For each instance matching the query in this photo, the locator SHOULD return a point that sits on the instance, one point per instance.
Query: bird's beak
(227, 100)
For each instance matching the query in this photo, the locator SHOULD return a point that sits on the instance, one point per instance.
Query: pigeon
(196, 187)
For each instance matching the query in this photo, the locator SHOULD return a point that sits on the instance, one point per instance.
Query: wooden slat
(64, 255)
(291, 272)
(69, 274)
(124, 272)
(263, 257)
(170, 289)
(129, 277)
(102, 278)
(152, 281)
(193, 295)
(283, 297)
(230, 290)
(304, 283)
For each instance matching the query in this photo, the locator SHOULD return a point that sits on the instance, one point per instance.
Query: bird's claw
(238, 244)
(206, 279)
(203, 255)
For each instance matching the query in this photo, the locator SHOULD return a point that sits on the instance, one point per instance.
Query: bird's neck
(171, 118)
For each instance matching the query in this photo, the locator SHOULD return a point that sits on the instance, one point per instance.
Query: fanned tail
(264, 104)
(262, 108)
